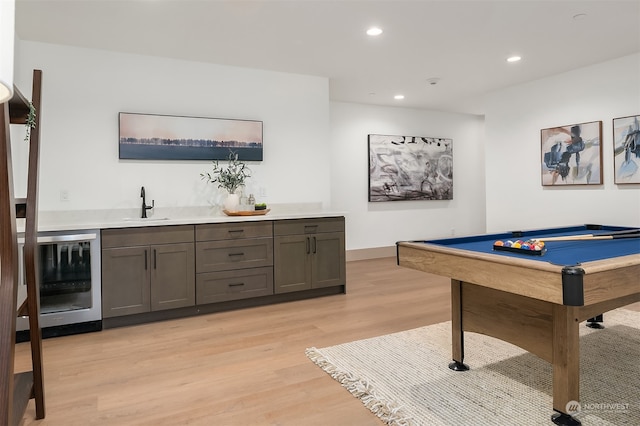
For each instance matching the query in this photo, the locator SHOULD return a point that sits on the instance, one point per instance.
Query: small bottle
(251, 202)
(75, 257)
(243, 202)
(64, 258)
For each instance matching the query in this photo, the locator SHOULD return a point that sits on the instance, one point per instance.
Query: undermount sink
(144, 219)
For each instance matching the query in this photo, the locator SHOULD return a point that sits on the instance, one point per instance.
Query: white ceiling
(463, 43)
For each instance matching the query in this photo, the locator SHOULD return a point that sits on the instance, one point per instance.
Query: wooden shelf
(17, 389)
(18, 107)
(22, 387)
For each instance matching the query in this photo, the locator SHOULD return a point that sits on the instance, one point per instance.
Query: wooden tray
(247, 213)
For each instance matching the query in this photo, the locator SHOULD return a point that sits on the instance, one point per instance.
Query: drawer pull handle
(236, 254)
(236, 285)
(235, 231)
(310, 228)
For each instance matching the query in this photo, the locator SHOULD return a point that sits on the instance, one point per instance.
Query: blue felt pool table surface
(567, 253)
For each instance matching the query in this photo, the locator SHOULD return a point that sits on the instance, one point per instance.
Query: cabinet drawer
(308, 226)
(214, 256)
(234, 231)
(233, 285)
(130, 237)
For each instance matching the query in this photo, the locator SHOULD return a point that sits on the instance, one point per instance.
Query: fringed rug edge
(386, 410)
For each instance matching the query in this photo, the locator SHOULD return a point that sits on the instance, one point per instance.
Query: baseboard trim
(189, 311)
(370, 253)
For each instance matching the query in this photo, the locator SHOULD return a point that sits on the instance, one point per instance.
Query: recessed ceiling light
(398, 97)
(374, 31)
(514, 58)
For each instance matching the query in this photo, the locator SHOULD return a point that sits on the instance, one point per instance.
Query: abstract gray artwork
(405, 168)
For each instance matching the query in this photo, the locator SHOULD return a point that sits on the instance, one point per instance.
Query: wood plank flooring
(244, 367)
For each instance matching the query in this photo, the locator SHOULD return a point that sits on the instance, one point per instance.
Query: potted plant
(229, 177)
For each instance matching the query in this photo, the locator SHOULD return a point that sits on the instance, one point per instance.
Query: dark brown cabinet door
(292, 263)
(125, 281)
(309, 261)
(147, 269)
(328, 260)
(172, 276)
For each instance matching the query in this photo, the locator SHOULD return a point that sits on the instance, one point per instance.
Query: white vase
(232, 202)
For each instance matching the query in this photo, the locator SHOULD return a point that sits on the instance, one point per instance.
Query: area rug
(403, 377)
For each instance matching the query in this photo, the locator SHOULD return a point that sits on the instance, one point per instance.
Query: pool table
(534, 301)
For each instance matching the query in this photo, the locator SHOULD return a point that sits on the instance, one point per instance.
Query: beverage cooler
(69, 283)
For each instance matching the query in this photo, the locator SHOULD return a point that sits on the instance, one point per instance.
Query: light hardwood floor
(244, 367)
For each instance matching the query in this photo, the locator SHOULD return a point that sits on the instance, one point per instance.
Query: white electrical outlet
(64, 195)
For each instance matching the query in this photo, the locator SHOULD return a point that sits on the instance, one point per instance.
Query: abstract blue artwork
(572, 155)
(626, 149)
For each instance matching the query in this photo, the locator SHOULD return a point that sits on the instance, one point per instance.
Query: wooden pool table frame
(530, 303)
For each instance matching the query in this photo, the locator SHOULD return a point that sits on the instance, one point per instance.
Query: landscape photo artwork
(403, 168)
(572, 155)
(164, 137)
(626, 149)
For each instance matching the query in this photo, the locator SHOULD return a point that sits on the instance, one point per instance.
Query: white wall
(83, 91)
(316, 150)
(382, 224)
(514, 117)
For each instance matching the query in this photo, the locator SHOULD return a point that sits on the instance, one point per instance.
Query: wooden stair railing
(17, 389)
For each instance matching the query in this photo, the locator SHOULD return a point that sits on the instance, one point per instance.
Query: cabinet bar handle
(155, 262)
(145, 260)
(315, 245)
(236, 254)
(308, 244)
(236, 285)
(235, 231)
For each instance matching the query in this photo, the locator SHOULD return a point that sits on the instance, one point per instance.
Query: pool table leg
(566, 365)
(595, 322)
(457, 334)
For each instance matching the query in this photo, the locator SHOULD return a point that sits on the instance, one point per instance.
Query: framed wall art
(405, 168)
(164, 137)
(572, 154)
(626, 149)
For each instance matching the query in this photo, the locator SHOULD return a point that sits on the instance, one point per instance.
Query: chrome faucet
(145, 207)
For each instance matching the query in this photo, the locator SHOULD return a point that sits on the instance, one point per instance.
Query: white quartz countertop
(130, 218)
